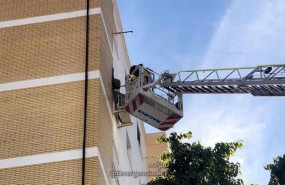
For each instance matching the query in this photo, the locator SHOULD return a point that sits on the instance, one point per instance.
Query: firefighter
(135, 71)
(116, 85)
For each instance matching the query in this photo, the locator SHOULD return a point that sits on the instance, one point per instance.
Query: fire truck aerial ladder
(157, 98)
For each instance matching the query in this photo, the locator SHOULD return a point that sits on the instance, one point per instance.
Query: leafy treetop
(194, 164)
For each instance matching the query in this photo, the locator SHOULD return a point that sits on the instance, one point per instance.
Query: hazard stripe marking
(134, 103)
(163, 129)
(128, 109)
(174, 117)
(170, 123)
(141, 99)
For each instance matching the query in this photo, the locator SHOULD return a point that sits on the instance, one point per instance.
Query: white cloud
(251, 33)
(216, 119)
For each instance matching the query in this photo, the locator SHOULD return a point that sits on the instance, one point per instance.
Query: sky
(200, 34)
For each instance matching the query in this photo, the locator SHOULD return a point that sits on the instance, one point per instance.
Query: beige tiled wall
(50, 118)
(107, 9)
(101, 178)
(58, 173)
(106, 65)
(48, 49)
(105, 136)
(47, 119)
(19, 9)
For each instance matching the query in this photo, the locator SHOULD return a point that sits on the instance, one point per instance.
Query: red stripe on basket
(134, 103)
(128, 108)
(141, 99)
(174, 117)
(168, 123)
(163, 129)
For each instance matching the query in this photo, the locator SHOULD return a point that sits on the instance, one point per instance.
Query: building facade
(154, 149)
(42, 95)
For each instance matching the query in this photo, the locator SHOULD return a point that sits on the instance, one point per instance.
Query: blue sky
(196, 34)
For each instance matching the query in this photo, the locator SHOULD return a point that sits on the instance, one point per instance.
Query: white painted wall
(135, 161)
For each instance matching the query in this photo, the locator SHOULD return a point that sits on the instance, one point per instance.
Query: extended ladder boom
(266, 80)
(157, 98)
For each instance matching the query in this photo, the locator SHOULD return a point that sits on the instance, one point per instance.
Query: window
(129, 149)
(138, 135)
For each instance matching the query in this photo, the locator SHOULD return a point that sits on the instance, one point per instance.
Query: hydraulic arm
(157, 98)
(266, 80)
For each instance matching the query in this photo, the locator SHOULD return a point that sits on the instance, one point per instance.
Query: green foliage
(277, 170)
(195, 164)
(161, 181)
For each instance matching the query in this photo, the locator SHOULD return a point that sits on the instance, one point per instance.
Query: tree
(194, 164)
(277, 171)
